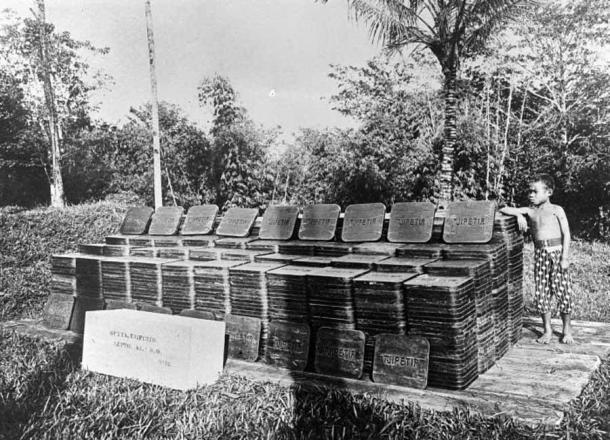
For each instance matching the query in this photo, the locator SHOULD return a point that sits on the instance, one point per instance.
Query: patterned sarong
(551, 280)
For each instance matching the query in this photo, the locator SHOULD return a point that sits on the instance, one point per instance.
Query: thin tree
(158, 194)
(451, 30)
(56, 184)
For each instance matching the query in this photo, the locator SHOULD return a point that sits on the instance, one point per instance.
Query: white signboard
(173, 351)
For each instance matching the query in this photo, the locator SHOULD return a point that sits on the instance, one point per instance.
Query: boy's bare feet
(545, 338)
(548, 330)
(567, 337)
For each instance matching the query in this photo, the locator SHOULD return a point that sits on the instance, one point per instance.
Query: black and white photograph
(304, 219)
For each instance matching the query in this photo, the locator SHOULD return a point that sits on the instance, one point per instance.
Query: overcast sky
(284, 46)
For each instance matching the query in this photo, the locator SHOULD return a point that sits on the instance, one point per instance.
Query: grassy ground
(590, 271)
(29, 238)
(44, 395)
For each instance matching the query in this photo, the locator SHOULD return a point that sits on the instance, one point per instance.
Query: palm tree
(451, 29)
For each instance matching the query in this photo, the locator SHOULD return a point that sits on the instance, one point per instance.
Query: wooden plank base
(533, 383)
(35, 328)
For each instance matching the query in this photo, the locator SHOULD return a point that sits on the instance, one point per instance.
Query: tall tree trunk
(56, 184)
(157, 186)
(488, 140)
(521, 113)
(504, 155)
(497, 136)
(286, 188)
(450, 133)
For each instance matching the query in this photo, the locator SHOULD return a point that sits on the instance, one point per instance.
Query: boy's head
(541, 189)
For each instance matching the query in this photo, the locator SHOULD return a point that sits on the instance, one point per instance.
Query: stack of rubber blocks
(380, 308)
(480, 272)
(506, 228)
(466, 299)
(248, 293)
(442, 309)
(331, 297)
(212, 286)
(496, 252)
(287, 293)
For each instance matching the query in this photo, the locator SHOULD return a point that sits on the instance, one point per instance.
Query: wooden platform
(533, 383)
(35, 328)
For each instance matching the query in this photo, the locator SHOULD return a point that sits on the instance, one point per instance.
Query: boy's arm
(519, 213)
(565, 236)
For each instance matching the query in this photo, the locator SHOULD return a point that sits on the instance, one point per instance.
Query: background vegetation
(536, 100)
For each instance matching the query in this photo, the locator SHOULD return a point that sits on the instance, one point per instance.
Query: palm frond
(414, 37)
(390, 21)
(484, 16)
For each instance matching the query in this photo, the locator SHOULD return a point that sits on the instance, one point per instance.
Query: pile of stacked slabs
(240, 255)
(502, 333)
(249, 294)
(265, 245)
(63, 270)
(199, 240)
(276, 258)
(287, 293)
(296, 247)
(115, 250)
(507, 229)
(146, 279)
(115, 278)
(496, 252)
(421, 250)
(358, 261)
(136, 240)
(442, 309)
(480, 272)
(178, 287)
(331, 300)
(171, 241)
(233, 242)
(377, 248)
(176, 252)
(91, 249)
(200, 253)
(117, 239)
(313, 261)
(332, 249)
(212, 288)
(89, 275)
(403, 264)
(149, 252)
(379, 304)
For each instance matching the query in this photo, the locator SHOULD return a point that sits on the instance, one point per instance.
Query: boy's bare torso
(544, 221)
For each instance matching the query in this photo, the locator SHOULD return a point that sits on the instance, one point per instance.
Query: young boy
(551, 233)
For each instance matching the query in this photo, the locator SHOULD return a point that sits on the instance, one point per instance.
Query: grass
(590, 271)
(44, 394)
(29, 238)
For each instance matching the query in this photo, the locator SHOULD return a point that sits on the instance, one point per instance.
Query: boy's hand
(565, 264)
(522, 222)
